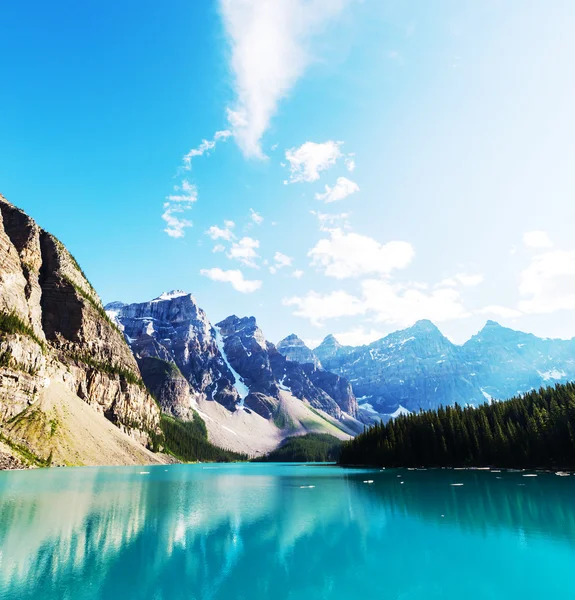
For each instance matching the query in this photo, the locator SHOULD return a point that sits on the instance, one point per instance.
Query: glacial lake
(278, 531)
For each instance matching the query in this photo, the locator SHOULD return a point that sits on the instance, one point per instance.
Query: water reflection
(253, 531)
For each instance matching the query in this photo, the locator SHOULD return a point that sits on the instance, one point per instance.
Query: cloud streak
(270, 49)
(235, 277)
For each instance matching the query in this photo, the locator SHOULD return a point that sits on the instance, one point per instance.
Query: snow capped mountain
(295, 350)
(189, 364)
(174, 329)
(419, 368)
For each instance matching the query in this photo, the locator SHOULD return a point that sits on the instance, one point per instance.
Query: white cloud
(310, 159)
(500, 311)
(402, 305)
(235, 277)
(297, 274)
(537, 239)
(187, 193)
(319, 307)
(329, 222)
(393, 303)
(219, 248)
(548, 283)
(270, 44)
(352, 255)
(256, 217)
(280, 261)
(174, 224)
(358, 336)
(343, 188)
(224, 233)
(350, 162)
(204, 147)
(245, 251)
(184, 196)
(463, 279)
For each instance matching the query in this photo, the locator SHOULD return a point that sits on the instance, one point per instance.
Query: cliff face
(265, 370)
(53, 328)
(175, 330)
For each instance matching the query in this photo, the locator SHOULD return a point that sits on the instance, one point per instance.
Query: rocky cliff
(266, 371)
(176, 333)
(295, 350)
(53, 328)
(191, 365)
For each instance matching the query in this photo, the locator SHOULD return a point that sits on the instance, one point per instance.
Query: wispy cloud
(186, 193)
(310, 159)
(270, 50)
(343, 188)
(344, 255)
(235, 277)
(223, 233)
(175, 225)
(244, 251)
(280, 261)
(256, 217)
(177, 203)
(204, 147)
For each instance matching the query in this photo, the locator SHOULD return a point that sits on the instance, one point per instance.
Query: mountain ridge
(420, 368)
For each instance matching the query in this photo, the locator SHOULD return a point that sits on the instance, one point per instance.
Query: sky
(327, 166)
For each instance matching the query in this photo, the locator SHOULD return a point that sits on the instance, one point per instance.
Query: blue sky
(444, 132)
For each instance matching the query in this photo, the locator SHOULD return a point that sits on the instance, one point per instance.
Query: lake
(255, 531)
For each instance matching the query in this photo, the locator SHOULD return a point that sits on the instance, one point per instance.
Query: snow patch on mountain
(240, 386)
(170, 295)
(399, 412)
(555, 374)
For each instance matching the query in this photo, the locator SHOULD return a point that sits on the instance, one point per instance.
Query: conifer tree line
(532, 431)
(313, 447)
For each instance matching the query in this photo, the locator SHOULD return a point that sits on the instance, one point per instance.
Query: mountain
(419, 367)
(295, 350)
(70, 389)
(250, 396)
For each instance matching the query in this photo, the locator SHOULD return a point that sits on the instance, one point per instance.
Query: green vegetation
(188, 441)
(25, 454)
(282, 419)
(12, 323)
(156, 368)
(313, 447)
(533, 431)
(108, 368)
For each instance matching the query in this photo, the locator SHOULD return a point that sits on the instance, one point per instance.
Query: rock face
(231, 363)
(266, 371)
(54, 328)
(420, 368)
(295, 350)
(175, 330)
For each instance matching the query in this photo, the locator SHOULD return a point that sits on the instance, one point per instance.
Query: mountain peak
(424, 325)
(170, 295)
(292, 340)
(295, 349)
(330, 340)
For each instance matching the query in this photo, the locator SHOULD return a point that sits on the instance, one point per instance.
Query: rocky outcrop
(54, 327)
(295, 350)
(266, 371)
(231, 363)
(174, 329)
(419, 368)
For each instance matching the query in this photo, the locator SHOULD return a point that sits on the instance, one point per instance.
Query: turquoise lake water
(250, 532)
